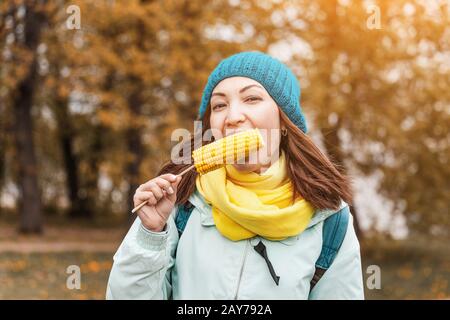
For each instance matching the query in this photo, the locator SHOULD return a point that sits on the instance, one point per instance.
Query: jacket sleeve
(143, 263)
(343, 280)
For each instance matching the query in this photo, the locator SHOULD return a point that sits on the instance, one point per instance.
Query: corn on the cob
(226, 150)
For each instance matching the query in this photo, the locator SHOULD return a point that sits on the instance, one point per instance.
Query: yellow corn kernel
(226, 150)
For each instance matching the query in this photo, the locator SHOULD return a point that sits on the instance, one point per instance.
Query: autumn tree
(24, 22)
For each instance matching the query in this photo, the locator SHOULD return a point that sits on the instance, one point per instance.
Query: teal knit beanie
(278, 80)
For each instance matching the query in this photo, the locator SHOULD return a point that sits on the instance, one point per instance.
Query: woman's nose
(234, 115)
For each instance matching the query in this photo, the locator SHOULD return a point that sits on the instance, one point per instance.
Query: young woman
(255, 230)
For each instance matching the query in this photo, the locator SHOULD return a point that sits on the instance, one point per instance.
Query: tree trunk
(136, 150)
(2, 150)
(66, 136)
(332, 145)
(89, 184)
(30, 200)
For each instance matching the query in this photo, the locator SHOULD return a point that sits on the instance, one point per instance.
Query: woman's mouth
(229, 132)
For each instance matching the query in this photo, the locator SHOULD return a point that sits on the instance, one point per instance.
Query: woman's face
(240, 103)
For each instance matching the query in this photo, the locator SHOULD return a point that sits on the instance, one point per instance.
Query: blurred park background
(90, 92)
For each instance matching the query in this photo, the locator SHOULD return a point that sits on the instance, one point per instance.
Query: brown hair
(315, 177)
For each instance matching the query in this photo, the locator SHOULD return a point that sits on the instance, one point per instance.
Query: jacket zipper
(242, 270)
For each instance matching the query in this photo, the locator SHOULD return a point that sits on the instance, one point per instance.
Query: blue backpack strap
(182, 216)
(333, 234)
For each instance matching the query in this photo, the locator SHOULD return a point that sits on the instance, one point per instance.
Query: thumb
(174, 185)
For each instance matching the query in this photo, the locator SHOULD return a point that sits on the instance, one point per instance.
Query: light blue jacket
(203, 264)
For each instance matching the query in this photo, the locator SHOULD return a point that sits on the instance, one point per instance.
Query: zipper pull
(261, 249)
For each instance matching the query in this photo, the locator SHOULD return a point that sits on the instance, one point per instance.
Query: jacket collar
(203, 207)
(207, 219)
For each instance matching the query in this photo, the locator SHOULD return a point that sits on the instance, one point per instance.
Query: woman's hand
(161, 193)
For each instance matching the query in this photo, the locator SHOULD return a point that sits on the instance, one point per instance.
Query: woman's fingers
(164, 185)
(156, 193)
(163, 182)
(160, 194)
(156, 190)
(141, 196)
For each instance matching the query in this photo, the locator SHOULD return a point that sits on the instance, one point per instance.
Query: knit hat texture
(278, 80)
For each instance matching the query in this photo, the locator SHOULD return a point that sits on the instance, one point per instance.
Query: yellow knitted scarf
(245, 204)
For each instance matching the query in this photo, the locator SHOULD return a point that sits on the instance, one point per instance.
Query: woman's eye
(218, 106)
(253, 98)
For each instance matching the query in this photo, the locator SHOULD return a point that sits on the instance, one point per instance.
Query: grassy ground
(43, 275)
(33, 267)
(418, 269)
